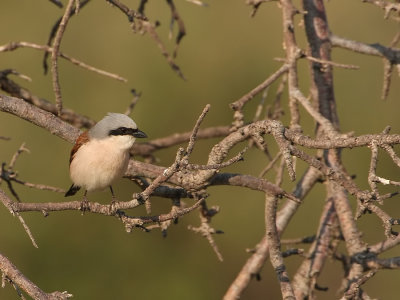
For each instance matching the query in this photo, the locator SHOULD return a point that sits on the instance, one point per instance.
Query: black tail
(72, 190)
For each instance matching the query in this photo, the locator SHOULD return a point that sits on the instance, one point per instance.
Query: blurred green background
(224, 55)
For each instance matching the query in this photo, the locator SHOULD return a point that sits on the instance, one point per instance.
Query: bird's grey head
(115, 124)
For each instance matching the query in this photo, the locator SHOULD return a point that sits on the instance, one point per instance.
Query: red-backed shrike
(100, 156)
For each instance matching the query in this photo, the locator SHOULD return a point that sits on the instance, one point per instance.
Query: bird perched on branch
(100, 156)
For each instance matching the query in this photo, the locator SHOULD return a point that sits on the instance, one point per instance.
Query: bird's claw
(84, 205)
(112, 207)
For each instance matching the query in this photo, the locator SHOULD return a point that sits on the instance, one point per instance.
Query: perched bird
(100, 156)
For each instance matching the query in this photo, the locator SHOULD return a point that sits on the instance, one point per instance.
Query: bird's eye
(119, 131)
(124, 131)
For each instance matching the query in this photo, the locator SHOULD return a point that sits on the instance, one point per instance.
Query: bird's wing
(81, 140)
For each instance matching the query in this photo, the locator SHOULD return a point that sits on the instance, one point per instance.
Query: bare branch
(238, 104)
(181, 26)
(15, 276)
(57, 2)
(205, 228)
(9, 204)
(132, 105)
(354, 289)
(150, 28)
(254, 264)
(391, 54)
(38, 117)
(274, 248)
(78, 5)
(385, 5)
(331, 63)
(145, 149)
(54, 55)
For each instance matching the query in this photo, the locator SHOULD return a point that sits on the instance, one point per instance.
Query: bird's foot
(112, 208)
(84, 205)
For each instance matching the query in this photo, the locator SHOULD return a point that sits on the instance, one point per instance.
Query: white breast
(98, 163)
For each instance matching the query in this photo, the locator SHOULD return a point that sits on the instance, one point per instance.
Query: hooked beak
(139, 134)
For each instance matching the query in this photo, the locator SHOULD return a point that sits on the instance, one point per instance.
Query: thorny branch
(322, 154)
(317, 31)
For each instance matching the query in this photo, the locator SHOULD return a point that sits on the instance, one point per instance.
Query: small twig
(145, 195)
(78, 5)
(276, 257)
(331, 63)
(8, 203)
(324, 122)
(280, 171)
(256, 4)
(387, 77)
(27, 230)
(384, 263)
(54, 55)
(15, 45)
(354, 288)
(372, 168)
(259, 141)
(395, 40)
(278, 131)
(181, 26)
(181, 161)
(392, 54)
(7, 72)
(290, 252)
(176, 206)
(130, 13)
(135, 99)
(389, 149)
(385, 5)
(387, 220)
(57, 2)
(385, 245)
(195, 130)
(42, 187)
(238, 104)
(319, 251)
(254, 183)
(304, 240)
(275, 112)
(385, 181)
(260, 105)
(238, 157)
(198, 2)
(150, 28)
(14, 158)
(9, 175)
(146, 149)
(131, 222)
(205, 229)
(270, 164)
